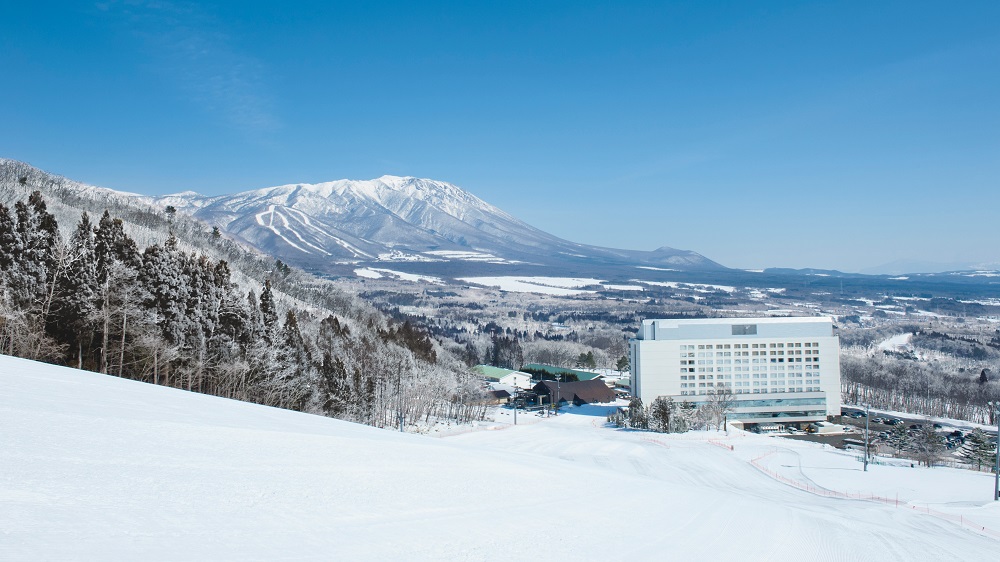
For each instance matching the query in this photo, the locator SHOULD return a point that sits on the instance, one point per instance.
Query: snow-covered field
(378, 273)
(697, 287)
(97, 468)
(563, 286)
(468, 256)
(899, 342)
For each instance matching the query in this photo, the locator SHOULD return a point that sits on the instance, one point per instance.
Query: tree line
(159, 314)
(665, 415)
(892, 383)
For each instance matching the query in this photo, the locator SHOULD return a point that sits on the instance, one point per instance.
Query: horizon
(767, 135)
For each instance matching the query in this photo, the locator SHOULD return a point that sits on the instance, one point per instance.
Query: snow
(899, 342)
(562, 286)
(368, 273)
(396, 255)
(468, 256)
(624, 287)
(697, 287)
(98, 468)
(378, 273)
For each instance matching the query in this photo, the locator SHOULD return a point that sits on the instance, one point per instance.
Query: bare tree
(720, 404)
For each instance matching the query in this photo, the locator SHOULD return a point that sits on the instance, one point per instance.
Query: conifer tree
(77, 290)
(334, 385)
(268, 312)
(167, 291)
(659, 414)
(978, 449)
(637, 418)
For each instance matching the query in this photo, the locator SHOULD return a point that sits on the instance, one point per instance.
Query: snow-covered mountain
(395, 218)
(431, 224)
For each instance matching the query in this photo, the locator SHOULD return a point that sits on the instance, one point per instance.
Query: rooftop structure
(554, 371)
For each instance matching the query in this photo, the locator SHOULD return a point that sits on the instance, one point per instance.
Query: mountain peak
(390, 179)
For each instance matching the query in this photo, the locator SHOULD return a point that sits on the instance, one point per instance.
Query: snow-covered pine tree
(74, 310)
(334, 386)
(978, 450)
(167, 291)
(659, 414)
(269, 313)
(11, 246)
(637, 417)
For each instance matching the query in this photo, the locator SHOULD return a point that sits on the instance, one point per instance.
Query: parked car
(916, 426)
(938, 426)
(879, 420)
(894, 421)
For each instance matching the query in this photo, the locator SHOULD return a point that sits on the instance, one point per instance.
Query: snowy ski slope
(97, 468)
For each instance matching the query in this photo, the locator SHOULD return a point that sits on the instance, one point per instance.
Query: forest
(949, 370)
(95, 300)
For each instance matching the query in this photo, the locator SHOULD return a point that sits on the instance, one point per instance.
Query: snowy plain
(97, 468)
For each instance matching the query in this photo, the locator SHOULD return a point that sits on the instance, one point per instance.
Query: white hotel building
(782, 370)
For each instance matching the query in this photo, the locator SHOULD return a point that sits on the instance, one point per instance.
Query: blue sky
(761, 134)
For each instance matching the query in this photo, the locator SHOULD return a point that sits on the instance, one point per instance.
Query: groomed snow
(563, 286)
(367, 273)
(467, 256)
(98, 468)
(698, 287)
(899, 342)
(378, 273)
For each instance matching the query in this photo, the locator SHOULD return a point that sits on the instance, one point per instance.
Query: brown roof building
(582, 392)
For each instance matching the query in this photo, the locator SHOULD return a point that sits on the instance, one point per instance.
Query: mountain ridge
(395, 218)
(326, 226)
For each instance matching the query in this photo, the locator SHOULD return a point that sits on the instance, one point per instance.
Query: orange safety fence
(656, 441)
(960, 519)
(718, 443)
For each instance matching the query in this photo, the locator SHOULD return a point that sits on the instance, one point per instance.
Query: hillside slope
(97, 468)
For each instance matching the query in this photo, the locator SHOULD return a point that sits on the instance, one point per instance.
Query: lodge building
(780, 370)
